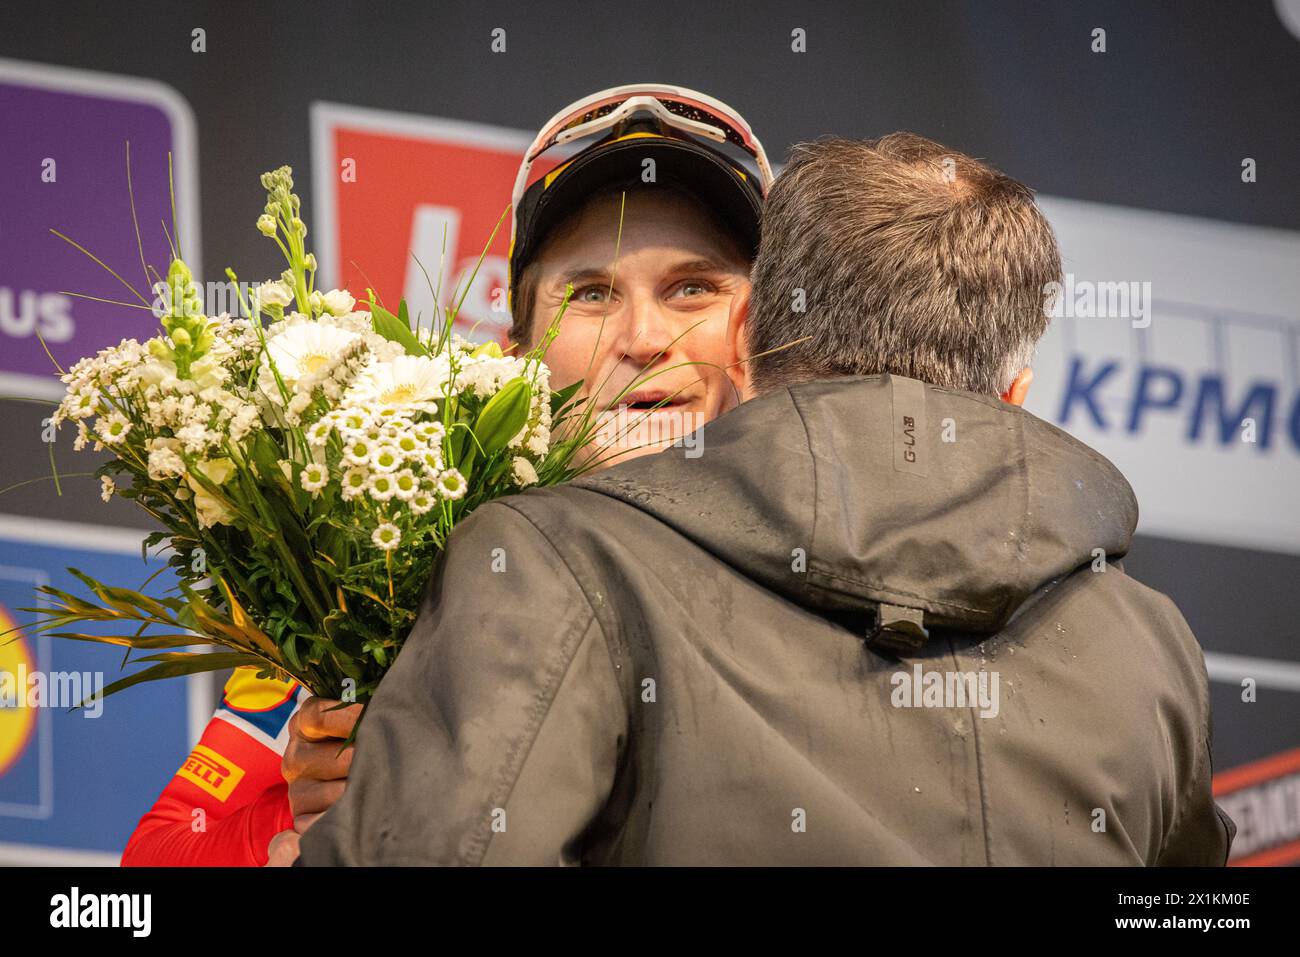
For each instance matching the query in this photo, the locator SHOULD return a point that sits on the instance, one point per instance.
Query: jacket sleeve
(496, 735)
(228, 799)
(1201, 834)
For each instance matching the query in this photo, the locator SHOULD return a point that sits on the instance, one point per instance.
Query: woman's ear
(737, 346)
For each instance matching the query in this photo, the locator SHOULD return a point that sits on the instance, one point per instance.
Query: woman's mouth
(649, 400)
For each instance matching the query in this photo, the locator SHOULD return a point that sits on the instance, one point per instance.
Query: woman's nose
(650, 331)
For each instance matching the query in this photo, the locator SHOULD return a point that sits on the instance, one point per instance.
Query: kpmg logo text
(1260, 411)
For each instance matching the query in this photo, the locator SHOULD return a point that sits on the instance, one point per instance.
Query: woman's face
(644, 304)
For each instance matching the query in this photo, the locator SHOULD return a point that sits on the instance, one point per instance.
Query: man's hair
(524, 296)
(898, 255)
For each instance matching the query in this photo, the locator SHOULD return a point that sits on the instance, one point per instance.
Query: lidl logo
(210, 771)
(17, 720)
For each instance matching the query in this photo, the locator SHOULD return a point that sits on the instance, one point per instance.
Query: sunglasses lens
(690, 111)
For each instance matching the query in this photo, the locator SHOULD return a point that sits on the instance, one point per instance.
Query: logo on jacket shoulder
(210, 771)
(909, 430)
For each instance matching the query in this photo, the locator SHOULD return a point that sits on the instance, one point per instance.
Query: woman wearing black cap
(654, 225)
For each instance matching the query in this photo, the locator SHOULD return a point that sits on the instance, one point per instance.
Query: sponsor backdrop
(74, 781)
(1162, 153)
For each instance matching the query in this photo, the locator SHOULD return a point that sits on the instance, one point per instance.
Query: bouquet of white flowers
(307, 463)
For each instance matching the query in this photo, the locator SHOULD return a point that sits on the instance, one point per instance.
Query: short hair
(524, 296)
(898, 255)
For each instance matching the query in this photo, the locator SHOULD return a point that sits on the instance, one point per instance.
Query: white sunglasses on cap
(675, 107)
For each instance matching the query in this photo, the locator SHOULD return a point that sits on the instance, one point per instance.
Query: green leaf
(503, 416)
(395, 330)
(404, 315)
(561, 398)
(175, 664)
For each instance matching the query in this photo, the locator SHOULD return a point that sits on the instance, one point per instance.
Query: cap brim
(722, 189)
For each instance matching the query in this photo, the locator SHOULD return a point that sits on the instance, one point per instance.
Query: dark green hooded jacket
(875, 622)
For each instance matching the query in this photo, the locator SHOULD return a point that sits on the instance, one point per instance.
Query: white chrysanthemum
(408, 444)
(420, 503)
(387, 536)
(314, 477)
(407, 484)
(355, 481)
(386, 458)
(451, 485)
(351, 421)
(165, 463)
(319, 433)
(400, 381)
(539, 442)
(81, 405)
(381, 486)
(106, 487)
(357, 451)
(432, 461)
(525, 473)
(304, 347)
(113, 428)
(430, 432)
(486, 374)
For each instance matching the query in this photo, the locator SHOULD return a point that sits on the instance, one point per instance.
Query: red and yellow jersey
(228, 799)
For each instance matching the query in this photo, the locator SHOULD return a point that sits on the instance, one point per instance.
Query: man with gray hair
(880, 621)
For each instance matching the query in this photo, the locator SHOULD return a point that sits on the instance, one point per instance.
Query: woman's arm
(229, 797)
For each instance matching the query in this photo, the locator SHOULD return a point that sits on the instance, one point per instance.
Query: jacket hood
(854, 495)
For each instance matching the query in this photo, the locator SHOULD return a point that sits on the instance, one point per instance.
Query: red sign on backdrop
(392, 190)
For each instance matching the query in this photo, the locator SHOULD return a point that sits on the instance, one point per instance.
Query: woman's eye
(596, 294)
(692, 288)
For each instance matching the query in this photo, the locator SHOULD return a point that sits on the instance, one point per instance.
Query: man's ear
(1019, 389)
(737, 346)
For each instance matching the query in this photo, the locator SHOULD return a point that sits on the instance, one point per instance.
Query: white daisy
(407, 484)
(386, 458)
(113, 428)
(355, 481)
(381, 486)
(314, 477)
(319, 433)
(358, 451)
(387, 536)
(451, 485)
